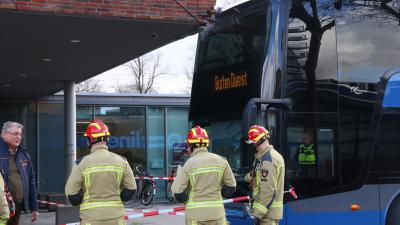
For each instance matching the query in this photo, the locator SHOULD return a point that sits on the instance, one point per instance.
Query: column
(70, 126)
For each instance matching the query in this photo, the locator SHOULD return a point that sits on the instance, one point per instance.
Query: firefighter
(203, 181)
(101, 181)
(4, 209)
(266, 179)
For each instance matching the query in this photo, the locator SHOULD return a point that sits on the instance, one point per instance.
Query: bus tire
(393, 214)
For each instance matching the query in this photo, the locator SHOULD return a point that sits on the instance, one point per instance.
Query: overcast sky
(175, 58)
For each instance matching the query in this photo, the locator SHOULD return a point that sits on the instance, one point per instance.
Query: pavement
(49, 218)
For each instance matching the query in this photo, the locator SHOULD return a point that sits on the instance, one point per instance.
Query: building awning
(40, 51)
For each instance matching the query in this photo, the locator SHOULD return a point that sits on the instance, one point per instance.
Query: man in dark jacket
(17, 170)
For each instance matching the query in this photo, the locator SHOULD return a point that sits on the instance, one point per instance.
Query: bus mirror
(250, 111)
(249, 114)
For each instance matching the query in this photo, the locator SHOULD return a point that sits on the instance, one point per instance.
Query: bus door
(271, 119)
(268, 113)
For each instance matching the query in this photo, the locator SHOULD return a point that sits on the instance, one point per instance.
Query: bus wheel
(393, 215)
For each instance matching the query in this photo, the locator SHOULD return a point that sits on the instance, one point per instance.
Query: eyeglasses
(16, 134)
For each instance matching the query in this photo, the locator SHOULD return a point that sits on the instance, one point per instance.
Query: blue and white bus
(326, 67)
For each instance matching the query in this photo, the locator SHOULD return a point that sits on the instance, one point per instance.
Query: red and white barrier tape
(178, 209)
(154, 213)
(292, 192)
(177, 213)
(166, 211)
(50, 203)
(172, 211)
(155, 178)
(238, 199)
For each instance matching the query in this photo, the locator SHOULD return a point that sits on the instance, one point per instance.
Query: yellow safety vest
(307, 155)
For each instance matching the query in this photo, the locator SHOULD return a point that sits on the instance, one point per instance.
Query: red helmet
(197, 136)
(257, 135)
(96, 130)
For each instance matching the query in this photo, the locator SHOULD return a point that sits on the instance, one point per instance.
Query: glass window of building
(127, 128)
(128, 132)
(156, 140)
(51, 147)
(177, 128)
(156, 145)
(84, 115)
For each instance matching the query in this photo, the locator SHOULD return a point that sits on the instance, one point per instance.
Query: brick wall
(139, 9)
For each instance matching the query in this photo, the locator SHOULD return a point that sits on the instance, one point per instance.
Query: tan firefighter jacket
(101, 175)
(203, 176)
(4, 210)
(267, 184)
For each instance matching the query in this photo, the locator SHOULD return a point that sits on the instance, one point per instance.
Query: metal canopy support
(70, 126)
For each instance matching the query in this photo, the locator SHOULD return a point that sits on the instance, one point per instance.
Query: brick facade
(137, 9)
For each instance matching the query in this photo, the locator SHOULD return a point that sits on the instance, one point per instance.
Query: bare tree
(124, 88)
(317, 18)
(145, 70)
(189, 76)
(88, 86)
(382, 11)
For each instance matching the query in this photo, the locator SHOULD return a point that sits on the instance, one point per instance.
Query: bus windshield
(228, 68)
(230, 55)
(229, 41)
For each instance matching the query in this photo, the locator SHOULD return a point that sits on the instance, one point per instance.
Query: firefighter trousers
(119, 221)
(268, 221)
(221, 221)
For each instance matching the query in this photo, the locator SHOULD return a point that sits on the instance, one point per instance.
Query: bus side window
(311, 153)
(294, 136)
(387, 146)
(325, 154)
(323, 150)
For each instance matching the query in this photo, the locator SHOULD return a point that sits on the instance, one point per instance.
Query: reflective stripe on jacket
(267, 184)
(203, 177)
(306, 154)
(101, 176)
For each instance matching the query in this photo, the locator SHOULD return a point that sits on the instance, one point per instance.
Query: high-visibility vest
(307, 155)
